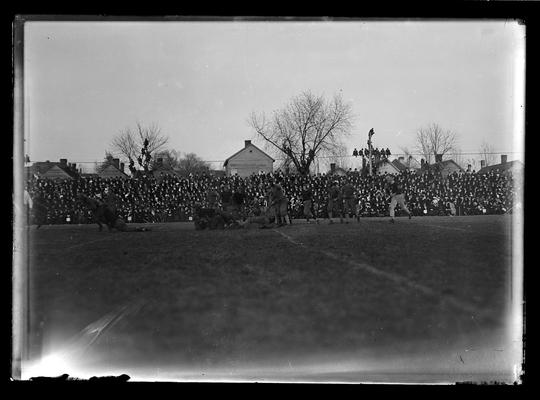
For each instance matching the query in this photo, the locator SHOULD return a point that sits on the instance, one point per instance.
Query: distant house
(446, 167)
(516, 167)
(399, 164)
(338, 171)
(410, 163)
(247, 161)
(387, 167)
(53, 170)
(111, 171)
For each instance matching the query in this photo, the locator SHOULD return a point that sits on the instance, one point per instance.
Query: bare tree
(192, 164)
(307, 127)
(139, 144)
(432, 140)
(487, 153)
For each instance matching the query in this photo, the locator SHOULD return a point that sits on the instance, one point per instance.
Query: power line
(350, 156)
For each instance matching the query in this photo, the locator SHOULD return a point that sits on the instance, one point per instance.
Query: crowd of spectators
(172, 198)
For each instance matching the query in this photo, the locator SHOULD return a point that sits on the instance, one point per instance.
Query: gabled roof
(244, 148)
(445, 163)
(111, 171)
(43, 167)
(386, 161)
(399, 165)
(503, 167)
(56, 171)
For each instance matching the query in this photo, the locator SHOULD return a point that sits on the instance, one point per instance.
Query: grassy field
(421, 300)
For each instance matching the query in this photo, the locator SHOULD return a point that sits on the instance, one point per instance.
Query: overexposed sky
(199, 81)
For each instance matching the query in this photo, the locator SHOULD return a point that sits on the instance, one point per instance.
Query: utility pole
(370, 147)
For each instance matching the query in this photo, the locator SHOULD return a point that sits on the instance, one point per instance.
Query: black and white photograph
(270, 200)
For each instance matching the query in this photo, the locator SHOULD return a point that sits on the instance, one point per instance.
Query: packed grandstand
(171, 198)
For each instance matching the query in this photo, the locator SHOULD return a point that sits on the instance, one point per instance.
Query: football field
(421, 300)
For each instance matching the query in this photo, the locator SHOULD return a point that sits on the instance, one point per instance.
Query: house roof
(111, 171)
(43, 167)
(386, 161)
(445, 163)
(244, 148)
(503, 167)
(399, 165)
(56, 171)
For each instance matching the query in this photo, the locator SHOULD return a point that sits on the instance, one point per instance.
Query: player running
(397, 197)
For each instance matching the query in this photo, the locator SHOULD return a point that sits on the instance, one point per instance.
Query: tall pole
(370, 159)
(369, 147)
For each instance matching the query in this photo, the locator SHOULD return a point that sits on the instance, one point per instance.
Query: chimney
(63, 162)
(332, 167)
(438, 157)
(247, 143)
(74, 166)
(482, 163)
(122, 166)
(504, 158)
(116, 162)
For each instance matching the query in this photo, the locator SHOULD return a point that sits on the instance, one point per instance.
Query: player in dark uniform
(307, 199)
(334, 202)
(396, 197)
(349, 201)
(110, 199)
(278, 202)
(238, 200)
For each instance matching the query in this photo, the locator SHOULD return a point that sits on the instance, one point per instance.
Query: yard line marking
(398, 279)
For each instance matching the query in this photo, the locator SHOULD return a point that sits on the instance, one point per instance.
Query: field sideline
(341, 302)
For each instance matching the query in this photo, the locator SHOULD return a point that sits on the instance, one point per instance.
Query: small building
(446, 167)
(247, 161)
(399, 164)
(337, 171)
(515, 167)
(386, 167)
(111, 171)
(410, 163)
(53, 170)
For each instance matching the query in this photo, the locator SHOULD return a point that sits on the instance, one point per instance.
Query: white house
(247, 161)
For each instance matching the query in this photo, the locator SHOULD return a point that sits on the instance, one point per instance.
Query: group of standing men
(273, 208)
